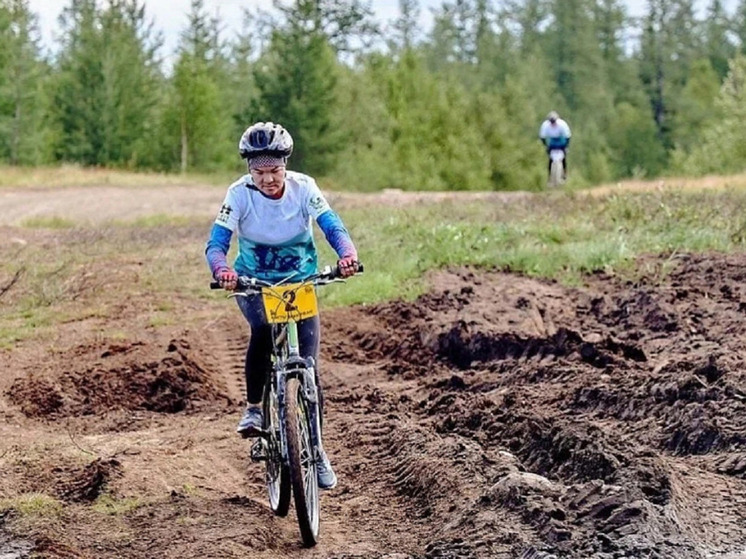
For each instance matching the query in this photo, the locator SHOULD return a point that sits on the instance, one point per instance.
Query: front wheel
(555, 174)
(277, 475)
(302, 461)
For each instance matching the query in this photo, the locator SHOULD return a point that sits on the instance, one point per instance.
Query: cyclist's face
(269, 180)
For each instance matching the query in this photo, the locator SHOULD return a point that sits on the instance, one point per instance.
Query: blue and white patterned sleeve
(336, 234)
(219, 242)
(329, 222)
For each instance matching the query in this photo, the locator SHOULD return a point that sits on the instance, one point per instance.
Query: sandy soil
(497, 416)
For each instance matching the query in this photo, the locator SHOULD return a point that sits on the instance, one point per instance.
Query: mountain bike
(290, 441)
(555, 169)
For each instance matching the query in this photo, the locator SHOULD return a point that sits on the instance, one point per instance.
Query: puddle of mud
(10, 549)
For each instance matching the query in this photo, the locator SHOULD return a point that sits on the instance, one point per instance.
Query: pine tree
(297, 81)
(198, 118)
(106, 85)
(131, 79)
(576, 57)
(717, 38)
(23, 129)
(297, 76)
(404, 33)
(668, 45)
(722, 144)
(242, 88)
(78, 86)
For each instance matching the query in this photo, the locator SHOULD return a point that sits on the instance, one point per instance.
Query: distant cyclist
(271, 211)
(555, 134)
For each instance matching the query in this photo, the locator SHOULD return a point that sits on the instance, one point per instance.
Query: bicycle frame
(293, 365)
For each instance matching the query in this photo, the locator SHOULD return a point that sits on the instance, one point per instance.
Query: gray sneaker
(251, 422)
(324, 473)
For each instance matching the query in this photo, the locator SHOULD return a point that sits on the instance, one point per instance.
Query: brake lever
(238, 294)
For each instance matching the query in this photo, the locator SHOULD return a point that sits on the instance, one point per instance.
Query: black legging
(258, 359)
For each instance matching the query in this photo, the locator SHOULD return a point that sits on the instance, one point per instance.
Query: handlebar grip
(243, 283)
(336, 273)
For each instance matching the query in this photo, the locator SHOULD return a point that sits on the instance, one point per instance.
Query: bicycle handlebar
(327, 275)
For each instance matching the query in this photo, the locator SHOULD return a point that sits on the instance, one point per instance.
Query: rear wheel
(302, 461)
(277, 475)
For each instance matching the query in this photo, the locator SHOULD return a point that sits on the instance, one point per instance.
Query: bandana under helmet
(267, 161)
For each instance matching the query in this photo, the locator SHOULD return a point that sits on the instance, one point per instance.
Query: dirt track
(495, 417)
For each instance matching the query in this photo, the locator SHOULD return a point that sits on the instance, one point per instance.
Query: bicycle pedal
(258, 452)
(253, 434)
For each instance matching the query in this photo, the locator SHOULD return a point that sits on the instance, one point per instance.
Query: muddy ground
(497, 416)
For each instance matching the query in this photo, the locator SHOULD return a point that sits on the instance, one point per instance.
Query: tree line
(376, 105)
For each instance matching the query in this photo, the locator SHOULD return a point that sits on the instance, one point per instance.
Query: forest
(376, 105)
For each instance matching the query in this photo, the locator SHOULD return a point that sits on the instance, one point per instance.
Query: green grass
(106, 504)
(37, 505)
(51, 222)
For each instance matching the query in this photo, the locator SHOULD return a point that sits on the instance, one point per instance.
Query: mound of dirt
(98, 378)
(87, 483)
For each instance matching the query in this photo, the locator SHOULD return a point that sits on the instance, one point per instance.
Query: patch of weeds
(11, 334)
(48, 222)
(37, 505)
(157, 320)
(160, 220)
(164, 306)
(109, 505)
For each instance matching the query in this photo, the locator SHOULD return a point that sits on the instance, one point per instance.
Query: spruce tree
(24, 135)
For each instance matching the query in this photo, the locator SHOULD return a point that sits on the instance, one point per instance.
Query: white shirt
(557, 134)
(274, 236)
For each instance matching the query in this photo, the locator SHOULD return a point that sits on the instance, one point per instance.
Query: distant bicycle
(555, 134)
(290, 441)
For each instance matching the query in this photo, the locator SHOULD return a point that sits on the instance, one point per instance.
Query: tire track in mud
(225, 341)
(425, 487)
(364, 516)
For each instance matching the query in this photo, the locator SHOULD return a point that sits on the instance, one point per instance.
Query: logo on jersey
(318, 203)
(225, 213)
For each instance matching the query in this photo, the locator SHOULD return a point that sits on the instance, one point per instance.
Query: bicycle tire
(555, 174)
(277, 474)
(302, 462)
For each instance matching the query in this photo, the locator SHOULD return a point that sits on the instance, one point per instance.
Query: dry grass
(710, 182)
(75, 175)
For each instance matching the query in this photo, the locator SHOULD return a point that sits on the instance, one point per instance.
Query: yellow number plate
(292, 301)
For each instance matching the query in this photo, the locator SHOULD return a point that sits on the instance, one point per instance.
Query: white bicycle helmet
(265, 138)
